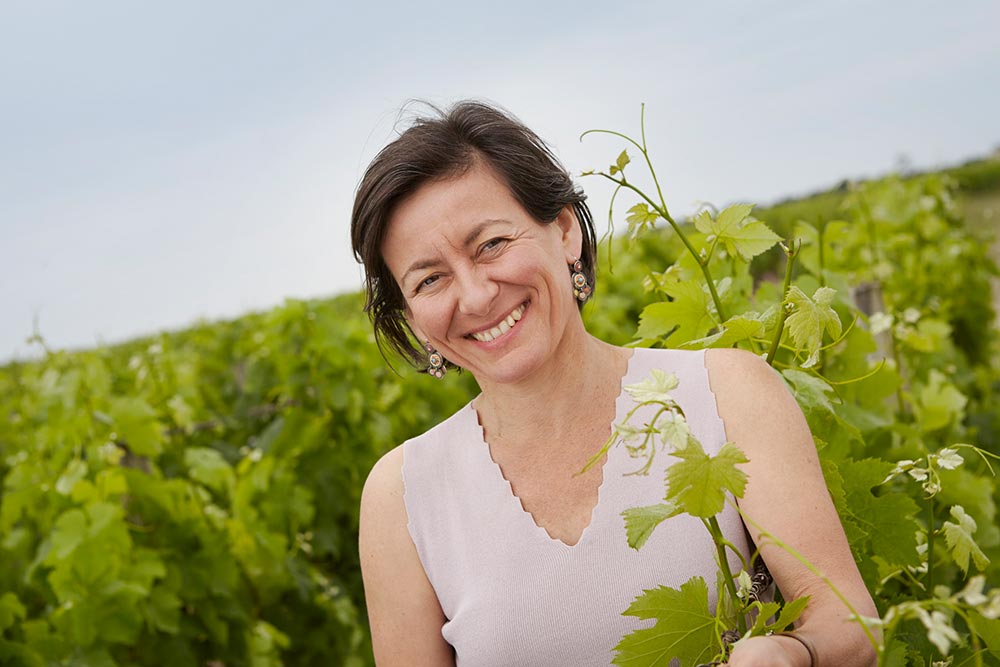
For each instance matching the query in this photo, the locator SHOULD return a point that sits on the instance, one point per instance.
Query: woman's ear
(571, 234)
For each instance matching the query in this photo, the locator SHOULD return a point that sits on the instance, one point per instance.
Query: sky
(161, 163)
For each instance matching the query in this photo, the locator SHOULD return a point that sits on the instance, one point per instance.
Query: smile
(505, 325)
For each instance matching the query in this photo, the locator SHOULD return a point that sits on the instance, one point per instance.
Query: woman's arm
(403, 609)
(786, 495)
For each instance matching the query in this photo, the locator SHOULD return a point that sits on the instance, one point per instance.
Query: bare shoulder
(382, 532)
(749, 392)
(403, 609)
(385, 482)
(738, 368)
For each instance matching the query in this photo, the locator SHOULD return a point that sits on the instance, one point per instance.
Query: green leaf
(733, 330)
(940, 402)
(703, 222)
(640, 218)
(640, 521)
(69, 530)
(810, 318)
(74, 472)
(750, 240)
(623, 159)
(684, 628)
(886, 521)
(685, 318)
(698, 483)
(210, 468)
(731, 218)
(743, 236)
(960, 541)
(790, 612)
(655, 388)
(162, 610)
(810, 391)
(11, 610)
(136, 423)
(674, 430)
(764, 611)
(988, 630)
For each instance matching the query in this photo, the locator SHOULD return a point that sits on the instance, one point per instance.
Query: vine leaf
(640, 521)
(960, 541)
(988, 630)
(11, 610)
(735, 329)
(619, 165)
(687, 317)
(135, 420)
(810, 318)
(744, 237)
(684, 627)
(639, 219)
(809, 390)
(940, 402)
(654, 389)
(698, 482)
(790, 613)
(886, 521)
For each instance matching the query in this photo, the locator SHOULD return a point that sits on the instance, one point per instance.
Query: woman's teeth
(502, 328)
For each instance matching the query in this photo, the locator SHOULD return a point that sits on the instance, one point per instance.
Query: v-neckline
(517, 504)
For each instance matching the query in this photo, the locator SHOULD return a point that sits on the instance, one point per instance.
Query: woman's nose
(476, 292)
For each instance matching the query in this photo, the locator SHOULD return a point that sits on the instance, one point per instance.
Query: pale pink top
(511, 594)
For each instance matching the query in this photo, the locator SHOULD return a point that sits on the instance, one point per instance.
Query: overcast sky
(163, 162)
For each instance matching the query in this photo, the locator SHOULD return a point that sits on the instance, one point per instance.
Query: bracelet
(813, 660)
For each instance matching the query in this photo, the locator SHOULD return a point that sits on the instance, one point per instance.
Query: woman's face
(470, 261)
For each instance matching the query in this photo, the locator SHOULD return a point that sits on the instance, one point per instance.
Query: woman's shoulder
(750, 394)
(387, 475)
(732, 369)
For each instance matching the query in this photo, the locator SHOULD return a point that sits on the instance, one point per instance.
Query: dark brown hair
(441, 146)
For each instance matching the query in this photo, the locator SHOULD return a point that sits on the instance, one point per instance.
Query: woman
(480, 545)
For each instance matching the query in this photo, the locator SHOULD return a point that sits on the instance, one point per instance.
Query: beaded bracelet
(813, 660)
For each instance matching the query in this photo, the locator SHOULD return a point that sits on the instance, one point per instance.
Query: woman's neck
(573, 395)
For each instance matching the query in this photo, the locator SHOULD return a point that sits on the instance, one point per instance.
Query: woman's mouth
(505, 325)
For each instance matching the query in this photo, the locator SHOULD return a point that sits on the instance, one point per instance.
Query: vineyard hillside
(191, 497)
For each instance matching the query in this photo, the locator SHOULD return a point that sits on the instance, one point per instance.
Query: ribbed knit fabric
(513, 595)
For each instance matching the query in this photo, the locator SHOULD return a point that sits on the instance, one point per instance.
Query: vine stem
(701, 261)
(661, 208)
(930, 545)
(727, 574)
(791, 251)
(822, 277)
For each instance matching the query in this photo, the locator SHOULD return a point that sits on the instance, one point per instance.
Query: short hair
(445, 145)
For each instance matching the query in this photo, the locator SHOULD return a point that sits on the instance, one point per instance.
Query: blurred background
(165, 162)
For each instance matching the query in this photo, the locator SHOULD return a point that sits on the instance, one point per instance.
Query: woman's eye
(494, 243)
(427, 282)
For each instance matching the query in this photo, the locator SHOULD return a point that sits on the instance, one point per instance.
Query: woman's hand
(771, 651)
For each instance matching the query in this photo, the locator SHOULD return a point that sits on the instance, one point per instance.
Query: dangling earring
(435, 362)
(581, 288)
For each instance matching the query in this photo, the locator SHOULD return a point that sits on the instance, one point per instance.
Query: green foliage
(894, 362)
(700, 483)
(192, 498)
(684, 627)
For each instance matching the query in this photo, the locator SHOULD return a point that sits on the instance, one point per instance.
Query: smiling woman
(481, 542)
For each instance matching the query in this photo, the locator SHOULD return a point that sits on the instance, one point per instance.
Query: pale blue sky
(161, 163)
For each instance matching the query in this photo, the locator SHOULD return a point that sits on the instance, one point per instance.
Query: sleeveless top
(513, 595)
